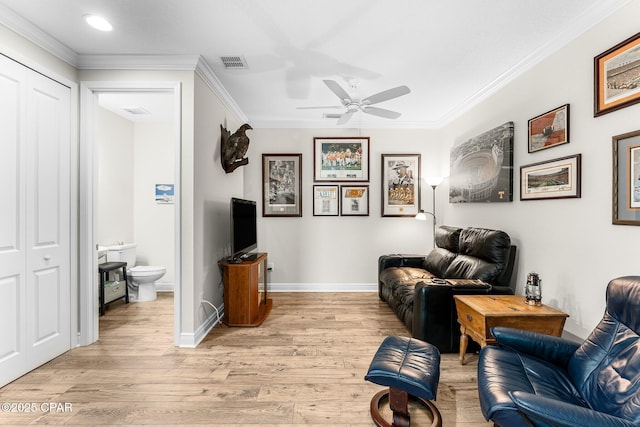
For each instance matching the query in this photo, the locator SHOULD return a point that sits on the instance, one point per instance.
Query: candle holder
(533, 289)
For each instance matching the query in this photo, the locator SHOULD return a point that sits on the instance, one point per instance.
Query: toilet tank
(125, 252)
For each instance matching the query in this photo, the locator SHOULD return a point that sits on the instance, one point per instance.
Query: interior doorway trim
(88, 154)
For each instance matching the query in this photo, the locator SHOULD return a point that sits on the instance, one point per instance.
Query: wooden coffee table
(477, 314)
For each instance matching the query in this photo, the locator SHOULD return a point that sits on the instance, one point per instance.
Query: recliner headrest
(448, 237)
(623, 301)
(490, 245)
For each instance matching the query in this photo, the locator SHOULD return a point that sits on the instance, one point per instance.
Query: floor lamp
(433, 181)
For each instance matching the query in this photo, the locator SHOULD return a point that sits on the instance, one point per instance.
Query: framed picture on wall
(549, 129)
(626, 179)
(281, 185)
(400, 184)
(341, 159)
(616, 77)
(354, 200)
(326, 201)
(551, 179)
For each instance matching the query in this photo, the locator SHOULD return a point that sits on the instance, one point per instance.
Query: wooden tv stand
(245, 291)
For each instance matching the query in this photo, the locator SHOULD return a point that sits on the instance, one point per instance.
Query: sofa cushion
(490, 245)
(468, 267)
(448, 238)
(398, 276)
(438, 261)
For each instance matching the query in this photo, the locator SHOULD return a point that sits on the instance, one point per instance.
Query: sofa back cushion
(483, 255)
(438, 260)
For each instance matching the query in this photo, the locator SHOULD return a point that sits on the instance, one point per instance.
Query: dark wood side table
(477, 314)
(114, 293)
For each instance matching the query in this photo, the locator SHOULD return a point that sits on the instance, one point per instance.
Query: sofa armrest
(399, 260)
(552, 349)
(543, 411)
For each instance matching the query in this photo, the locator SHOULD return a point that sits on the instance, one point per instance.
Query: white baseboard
(191, 340)
(165, 287)
(322, 287)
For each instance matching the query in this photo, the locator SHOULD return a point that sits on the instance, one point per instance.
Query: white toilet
(140, 278)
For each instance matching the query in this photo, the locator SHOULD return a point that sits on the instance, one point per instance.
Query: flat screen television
(244, 235)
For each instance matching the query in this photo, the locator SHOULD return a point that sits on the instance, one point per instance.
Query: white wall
(334, 253)
(571, 243)
(154, 223)
(115, 140)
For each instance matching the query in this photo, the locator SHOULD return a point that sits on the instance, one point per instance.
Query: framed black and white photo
(343, 159)
(281, 185)
(326, 200)
(354, 200)
(400, 184)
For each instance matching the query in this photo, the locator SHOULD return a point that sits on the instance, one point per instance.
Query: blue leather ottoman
(409, 367)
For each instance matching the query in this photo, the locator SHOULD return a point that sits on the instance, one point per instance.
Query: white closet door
(13, 278)
(35, 289)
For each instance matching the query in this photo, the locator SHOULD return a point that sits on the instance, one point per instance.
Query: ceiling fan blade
(381, 112)
(331, 116)
(345, 117)
(338, 90)
(386, 95)
(326, 107)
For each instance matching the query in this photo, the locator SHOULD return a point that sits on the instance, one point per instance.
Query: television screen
(244, 236)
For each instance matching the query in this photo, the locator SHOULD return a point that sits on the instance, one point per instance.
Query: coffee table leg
(464, 340)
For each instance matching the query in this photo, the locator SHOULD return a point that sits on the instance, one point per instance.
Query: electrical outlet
(270, 266)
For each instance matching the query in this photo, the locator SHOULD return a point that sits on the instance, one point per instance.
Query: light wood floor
(304, 366)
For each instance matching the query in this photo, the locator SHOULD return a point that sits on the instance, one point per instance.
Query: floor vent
(236, 62)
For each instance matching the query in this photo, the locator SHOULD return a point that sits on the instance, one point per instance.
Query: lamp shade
(434, 181)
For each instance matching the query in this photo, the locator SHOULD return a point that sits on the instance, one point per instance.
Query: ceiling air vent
(135, 110)
(235, 62)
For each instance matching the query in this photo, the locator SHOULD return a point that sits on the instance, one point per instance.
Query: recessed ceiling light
(98, 22)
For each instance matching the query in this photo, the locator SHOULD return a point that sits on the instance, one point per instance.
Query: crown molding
(35, 35)
(138, 62)
(210, 78)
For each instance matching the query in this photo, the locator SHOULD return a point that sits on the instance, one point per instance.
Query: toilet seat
(145, 270)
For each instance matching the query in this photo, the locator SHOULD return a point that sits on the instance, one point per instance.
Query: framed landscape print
(481, 167)
(341, 159)
(626, 179)
(616, 80)
(326, 201)
(281, 185)
(549, 129)
(400, 184)
(354, 200)
(551, 179)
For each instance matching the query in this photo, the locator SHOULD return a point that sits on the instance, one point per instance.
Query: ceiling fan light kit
(364, 105)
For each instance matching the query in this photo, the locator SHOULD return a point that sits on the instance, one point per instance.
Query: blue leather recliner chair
(533, 379)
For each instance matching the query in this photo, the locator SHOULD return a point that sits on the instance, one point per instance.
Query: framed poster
(341, 159)
(400, 184)
(481, 168)
(354, 200)
(616, 82)
(549, 129)
(281, 185)
(551, 179)
(325, 200)
(626, 179)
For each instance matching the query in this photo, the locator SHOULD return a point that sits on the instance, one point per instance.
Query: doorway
(97, 97)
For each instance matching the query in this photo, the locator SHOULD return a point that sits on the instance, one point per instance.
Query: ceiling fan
(364, 105)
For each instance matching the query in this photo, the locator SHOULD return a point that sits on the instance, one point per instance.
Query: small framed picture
(626, 179)
(400, 184)
(325, 200)
(549, 129)
(551, 179)
(354, 200)
(281, 185)
(615, 77)
(341, 159)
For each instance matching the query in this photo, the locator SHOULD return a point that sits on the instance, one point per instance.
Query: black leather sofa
(427, 309)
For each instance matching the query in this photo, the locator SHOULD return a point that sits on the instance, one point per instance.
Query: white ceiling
(450, 53)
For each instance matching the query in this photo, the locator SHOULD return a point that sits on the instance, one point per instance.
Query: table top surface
(506, 305)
